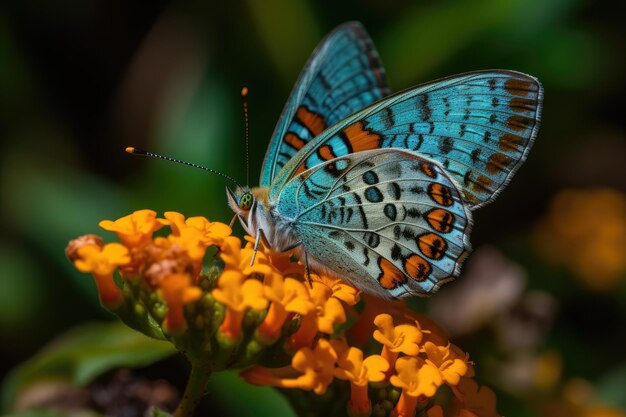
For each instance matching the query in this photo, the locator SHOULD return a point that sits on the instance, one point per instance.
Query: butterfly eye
(246, 201)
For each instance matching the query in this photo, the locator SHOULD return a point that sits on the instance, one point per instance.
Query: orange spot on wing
(517, 87)
(314, 122)
(326, 153)
(300, 170)
(361, 139)
(428, 169)
(522, 105)
(440, 194)
(519, 123)
(417, 267)
(471, 198)
(440, 220)
(497, 163)
(432, 245)
(481, 184)
(294, 141)
(510, 142)
(390, 276)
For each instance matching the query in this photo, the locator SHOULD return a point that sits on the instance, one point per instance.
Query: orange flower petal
(101, 260)
(404, 338)
(134, 229)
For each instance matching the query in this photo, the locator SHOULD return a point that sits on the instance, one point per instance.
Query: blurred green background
(80, 80)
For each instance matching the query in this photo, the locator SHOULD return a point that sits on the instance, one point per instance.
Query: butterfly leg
(307, 275)
(259, 236)
(232, 222)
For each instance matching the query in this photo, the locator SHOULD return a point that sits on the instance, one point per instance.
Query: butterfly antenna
(141, 152)
(244, 98)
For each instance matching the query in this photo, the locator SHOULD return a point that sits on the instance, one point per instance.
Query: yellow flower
(327, 313)
(585, 231)
(135, 229)
(102, 262)
(352, 367)
(404, 338)
(192, 241)
(360, 371)
(195, 234)
(314, 368)
(282, 261)
(417, 379)
(237, 295)
(443, 358)
(71, 251)
(287, 296)
(211, 233)
(177, 290)
(239, 259)
(473, 401)
(303, 326)
(340, 289)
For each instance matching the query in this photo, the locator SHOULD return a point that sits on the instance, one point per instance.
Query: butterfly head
(240, 200)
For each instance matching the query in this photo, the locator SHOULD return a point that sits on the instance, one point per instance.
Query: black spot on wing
(446, 145)
(372, 239)
(396, 252)
(388, 121)
(413, 213)
(390, 211)
(425, 109)
(370, 177)
(395, 190)
(361, 210)
(475, 155)
(373, 195)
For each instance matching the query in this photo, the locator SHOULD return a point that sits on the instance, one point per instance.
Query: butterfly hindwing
(343, 75)
(390, 221)
(479, 126)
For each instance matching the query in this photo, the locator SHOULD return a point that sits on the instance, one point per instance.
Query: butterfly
(379, 189)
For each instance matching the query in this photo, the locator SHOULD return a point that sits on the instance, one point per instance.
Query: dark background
(80, 80)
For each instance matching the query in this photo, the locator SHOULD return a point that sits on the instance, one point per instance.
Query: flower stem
(196, 385)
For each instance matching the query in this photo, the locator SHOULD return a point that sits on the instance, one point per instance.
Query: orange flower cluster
(168, 266)
(585, 230)
(411, 358)
(263, 313)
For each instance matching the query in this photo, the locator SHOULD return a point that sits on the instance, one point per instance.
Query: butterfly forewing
(478, 126)
(389, 221)
(343, 75)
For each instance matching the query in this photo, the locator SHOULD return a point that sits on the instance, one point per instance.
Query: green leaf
(155, 412)
(54, 204)
(289, 32)
(610, 388)
(244, 400)
(83, 354)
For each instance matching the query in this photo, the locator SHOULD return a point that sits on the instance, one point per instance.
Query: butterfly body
(378, 189)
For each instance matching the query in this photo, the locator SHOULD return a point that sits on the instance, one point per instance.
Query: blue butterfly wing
(343, 75)
(479, 126)
(389, 221)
